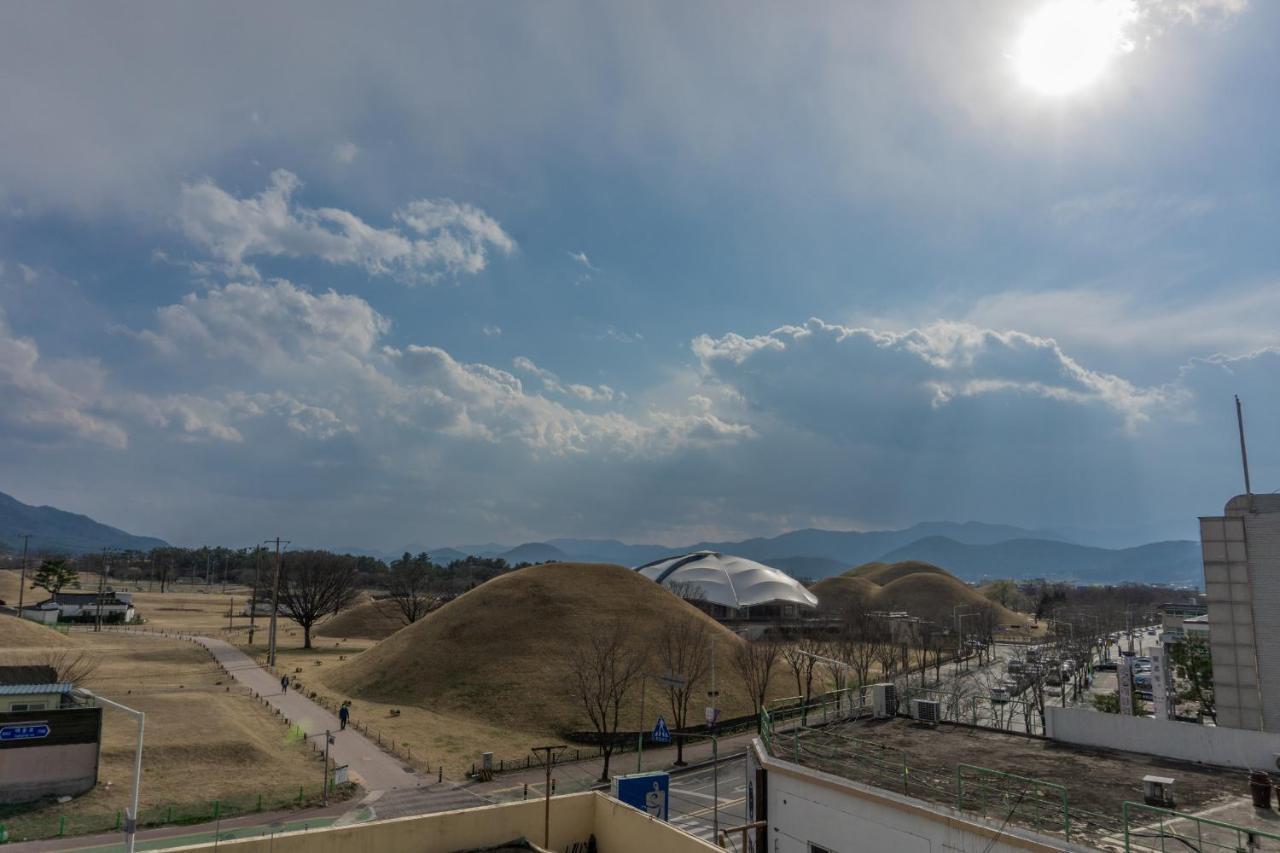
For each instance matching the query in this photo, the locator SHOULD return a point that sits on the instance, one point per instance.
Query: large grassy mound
(18, 633)
(502, 652)
(373, 620)
(886, 573)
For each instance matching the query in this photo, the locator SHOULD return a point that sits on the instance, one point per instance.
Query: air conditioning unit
(884, 701)
(926, 711)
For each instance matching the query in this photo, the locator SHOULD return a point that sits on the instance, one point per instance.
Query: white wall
(1168, 738)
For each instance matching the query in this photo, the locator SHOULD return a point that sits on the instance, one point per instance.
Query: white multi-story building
(1242, 585)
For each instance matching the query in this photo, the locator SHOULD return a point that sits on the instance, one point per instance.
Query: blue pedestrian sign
(24, 731)
(661, 734)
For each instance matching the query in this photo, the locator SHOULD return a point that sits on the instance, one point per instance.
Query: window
(28, 706)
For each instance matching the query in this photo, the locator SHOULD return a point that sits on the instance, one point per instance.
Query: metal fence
(1148, 828)
(38, 825)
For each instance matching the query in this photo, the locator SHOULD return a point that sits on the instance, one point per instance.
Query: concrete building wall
(1241, 550)
(49, 700)
(806, 807)
(1216, 745)
(618, 828)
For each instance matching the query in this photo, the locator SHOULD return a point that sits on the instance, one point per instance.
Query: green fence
(37, 825)
(1148, 828)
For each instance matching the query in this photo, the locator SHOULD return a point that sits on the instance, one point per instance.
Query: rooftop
(1006, 776)
(27, 675)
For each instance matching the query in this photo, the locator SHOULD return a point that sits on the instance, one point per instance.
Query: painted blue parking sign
(24, 731)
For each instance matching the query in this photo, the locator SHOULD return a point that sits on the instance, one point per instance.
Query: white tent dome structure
(730, 585)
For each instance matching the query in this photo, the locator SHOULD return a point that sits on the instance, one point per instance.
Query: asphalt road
(693, 798)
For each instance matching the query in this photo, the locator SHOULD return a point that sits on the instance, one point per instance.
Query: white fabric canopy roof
(727, 580)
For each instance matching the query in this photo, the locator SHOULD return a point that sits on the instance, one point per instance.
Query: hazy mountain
(808, 567)
(1176, 562)
(534, 552)
(57, 531)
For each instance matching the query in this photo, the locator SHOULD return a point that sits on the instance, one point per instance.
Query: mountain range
(971, 550)
(53, 530)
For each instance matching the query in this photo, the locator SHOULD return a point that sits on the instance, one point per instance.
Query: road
(693, 798)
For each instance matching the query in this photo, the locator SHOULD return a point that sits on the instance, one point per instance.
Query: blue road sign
(648, 792)
(661, 734)
(24, 731)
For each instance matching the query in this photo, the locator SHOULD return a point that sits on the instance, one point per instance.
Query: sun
(1066, 45)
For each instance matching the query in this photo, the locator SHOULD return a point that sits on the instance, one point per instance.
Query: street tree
(315, 584)
(684, 652)
(1190, 657)
(754, 660)
(602, 672)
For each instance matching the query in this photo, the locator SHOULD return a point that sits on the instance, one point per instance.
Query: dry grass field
(204, 742)
(370, 620)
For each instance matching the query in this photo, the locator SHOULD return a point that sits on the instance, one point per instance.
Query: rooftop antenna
(1244, 453)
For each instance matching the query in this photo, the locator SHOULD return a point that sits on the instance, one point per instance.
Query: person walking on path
(344, 713)
(284, 684)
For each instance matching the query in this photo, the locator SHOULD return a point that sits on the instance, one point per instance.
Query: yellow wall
(575, 817)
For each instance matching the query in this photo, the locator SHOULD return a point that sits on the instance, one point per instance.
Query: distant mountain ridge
(970, 550)
(54, 530)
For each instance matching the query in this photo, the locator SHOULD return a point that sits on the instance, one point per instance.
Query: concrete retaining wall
(1168, 738)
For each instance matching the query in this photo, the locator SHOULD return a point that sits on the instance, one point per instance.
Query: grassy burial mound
(886, 573)
(18, 633)
(373, 620)
(841, 593)
(501, 654)
(921, 589)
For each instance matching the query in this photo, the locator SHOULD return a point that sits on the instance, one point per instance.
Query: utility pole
(1244, 454)
(253, 595)
(713, 713)
(102, 590)
(22, 582)
(275, 602)
(550, 753)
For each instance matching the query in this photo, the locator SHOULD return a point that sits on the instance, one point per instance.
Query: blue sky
(391, 274)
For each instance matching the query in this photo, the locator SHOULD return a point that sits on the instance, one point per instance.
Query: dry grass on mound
(885, 573)
(842, 592)
(921, 589)
(501, 654)
(18, 633)
(372, 620)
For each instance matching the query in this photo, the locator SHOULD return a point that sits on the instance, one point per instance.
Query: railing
(1152, 828)
(16, 826)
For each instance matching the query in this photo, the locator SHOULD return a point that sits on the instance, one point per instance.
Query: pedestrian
(343, 714)
(284, 684)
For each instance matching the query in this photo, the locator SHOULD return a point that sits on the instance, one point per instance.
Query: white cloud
(346, 152)
(443, 236)
(491, 330)
(581, 258)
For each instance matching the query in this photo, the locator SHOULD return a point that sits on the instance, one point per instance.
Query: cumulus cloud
(437, 236)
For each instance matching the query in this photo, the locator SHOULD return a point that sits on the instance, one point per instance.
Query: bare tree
(754, 660)
(71, 666)
(800, 659)
(603, 672)
(861, 639)
(314, 584)
(685, 651)
(408, 583)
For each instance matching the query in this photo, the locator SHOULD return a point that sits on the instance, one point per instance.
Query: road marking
(724, 804)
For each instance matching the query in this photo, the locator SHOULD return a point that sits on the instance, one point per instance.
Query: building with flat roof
(1241, 550)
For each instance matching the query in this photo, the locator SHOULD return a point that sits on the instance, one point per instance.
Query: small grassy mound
(373, 620)
(935, 597)
(18, 633)
(502, 653)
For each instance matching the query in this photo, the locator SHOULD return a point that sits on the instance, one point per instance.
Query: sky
(378, 275)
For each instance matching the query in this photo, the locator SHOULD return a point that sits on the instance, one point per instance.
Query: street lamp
(131, 817)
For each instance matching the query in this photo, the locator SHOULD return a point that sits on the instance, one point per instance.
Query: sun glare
(1067, 44)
